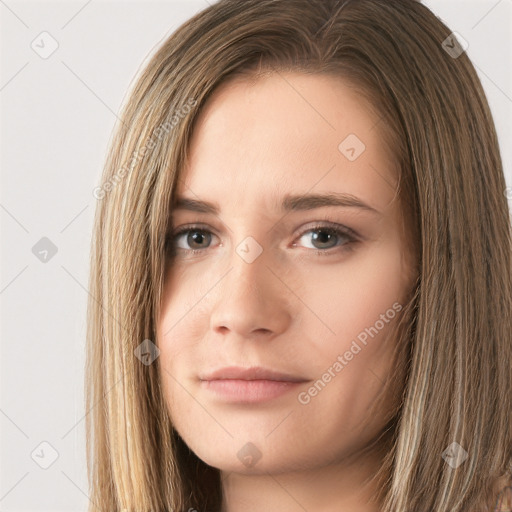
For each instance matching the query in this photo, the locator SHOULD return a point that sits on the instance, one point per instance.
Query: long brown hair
(456, 351)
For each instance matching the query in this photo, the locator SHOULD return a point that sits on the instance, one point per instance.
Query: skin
(294, 308)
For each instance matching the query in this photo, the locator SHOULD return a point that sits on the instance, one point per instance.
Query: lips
(254, 385)
(251, 373)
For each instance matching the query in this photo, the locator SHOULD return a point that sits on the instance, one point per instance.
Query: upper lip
(251, 373)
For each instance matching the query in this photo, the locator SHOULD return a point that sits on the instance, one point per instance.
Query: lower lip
(249, 391)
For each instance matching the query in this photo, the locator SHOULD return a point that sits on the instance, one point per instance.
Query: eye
(327, 238)
(196, 237)
(335, 236)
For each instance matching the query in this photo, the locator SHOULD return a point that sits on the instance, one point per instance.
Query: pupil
(194, 236)
(318, 237)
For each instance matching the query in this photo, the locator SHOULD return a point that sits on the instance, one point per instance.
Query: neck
(338, 487)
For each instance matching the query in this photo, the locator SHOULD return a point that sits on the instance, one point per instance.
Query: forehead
(288, 133)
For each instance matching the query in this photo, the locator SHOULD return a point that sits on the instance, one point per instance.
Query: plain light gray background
(57, 117)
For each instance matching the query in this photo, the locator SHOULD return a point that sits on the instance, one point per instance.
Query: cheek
(183, 325)
(178, 336)
(175, 361)
(175, 335)
(359, 299)
(182, 308)
(352, 347)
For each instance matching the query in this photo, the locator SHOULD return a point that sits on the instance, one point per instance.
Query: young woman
(301, 286)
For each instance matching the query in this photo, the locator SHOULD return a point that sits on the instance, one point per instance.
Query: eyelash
(331, 228)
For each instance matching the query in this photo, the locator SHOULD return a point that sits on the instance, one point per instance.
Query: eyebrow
(290, 203)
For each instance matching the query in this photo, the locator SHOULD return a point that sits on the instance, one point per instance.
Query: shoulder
(504, 501)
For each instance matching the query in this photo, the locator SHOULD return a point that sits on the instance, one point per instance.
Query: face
(266, 276)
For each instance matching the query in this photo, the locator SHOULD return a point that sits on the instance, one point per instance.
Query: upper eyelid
(313, 225)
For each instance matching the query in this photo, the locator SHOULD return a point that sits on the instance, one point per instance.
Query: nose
(250, 300)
